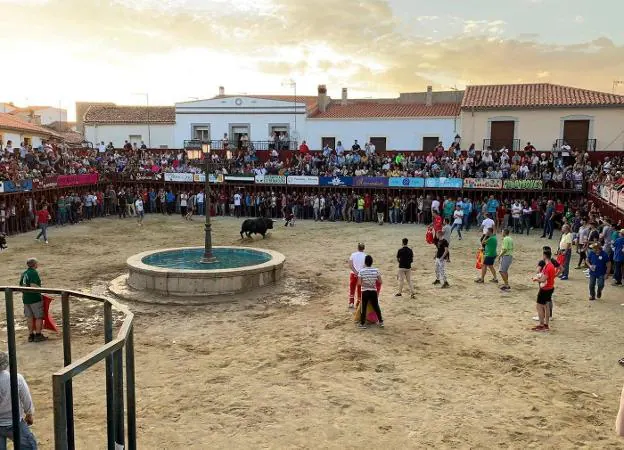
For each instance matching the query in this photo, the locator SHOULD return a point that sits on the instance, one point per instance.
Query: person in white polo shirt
(487, 223)
(356, 263)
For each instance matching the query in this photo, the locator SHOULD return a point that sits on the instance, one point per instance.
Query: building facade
(545, 115)
(17, 130)
(154, 126)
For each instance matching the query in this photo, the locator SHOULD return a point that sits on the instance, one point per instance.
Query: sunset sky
(61, 51)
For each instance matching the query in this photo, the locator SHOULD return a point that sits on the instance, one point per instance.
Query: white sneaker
(537, 319)
(46, 242)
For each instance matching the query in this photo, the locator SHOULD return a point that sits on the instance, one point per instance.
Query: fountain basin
(178, 272)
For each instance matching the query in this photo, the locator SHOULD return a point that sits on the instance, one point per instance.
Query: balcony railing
(196, 144)
(588, 145)
(497, 144)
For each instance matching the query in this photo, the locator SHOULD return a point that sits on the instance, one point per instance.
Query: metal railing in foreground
(111, 351)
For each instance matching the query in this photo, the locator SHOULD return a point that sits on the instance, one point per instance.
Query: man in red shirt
(437, 222)
(41, 219)
(546, 279)
(303, 148)
(367, 207)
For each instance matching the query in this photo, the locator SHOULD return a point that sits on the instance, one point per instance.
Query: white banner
(270, 179)
(179, 177)
(303, 180)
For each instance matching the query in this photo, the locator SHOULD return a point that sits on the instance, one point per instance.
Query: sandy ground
(287, 368)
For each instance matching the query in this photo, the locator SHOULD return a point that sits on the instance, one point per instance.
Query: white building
(153, 125)
(17, 130)
(413, 121)
(41, 115)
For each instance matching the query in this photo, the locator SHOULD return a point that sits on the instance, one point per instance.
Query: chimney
(221, 91)
(323, 100)
(429, 97)
(343, 102)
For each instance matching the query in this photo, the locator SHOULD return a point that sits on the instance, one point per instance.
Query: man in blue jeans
(599, 269)
(618, 258)
(27, 439)
(549, 227)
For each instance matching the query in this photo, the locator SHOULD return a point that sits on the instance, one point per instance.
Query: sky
(57, 52)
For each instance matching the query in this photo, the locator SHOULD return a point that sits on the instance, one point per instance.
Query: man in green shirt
(33, 303)
(489, 244)
(505, 259)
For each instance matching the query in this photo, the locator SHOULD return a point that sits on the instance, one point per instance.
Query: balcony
(497, 144)
(588, 145)
(254, 145)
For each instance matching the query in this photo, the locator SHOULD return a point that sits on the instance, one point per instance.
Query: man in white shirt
(516, 216)
(371, 149)
(487, 224)
(102, 147)
(200, 203)
(435, 205)
(458, 219)
(140, 211)
(356, 263)
(26, 407)
(237, 204)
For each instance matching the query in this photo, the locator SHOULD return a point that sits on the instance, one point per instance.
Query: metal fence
(112, 351)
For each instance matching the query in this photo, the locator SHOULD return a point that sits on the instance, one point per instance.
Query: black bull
(259, 225)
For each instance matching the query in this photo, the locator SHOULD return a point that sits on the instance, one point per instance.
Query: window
(278, 129)
(430, 143)
(331, 141)
(201, 132)
(379, 143)
(135, 139)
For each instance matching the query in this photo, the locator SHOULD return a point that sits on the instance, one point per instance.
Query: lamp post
(147, 109)
(293, 84)
(209, 167)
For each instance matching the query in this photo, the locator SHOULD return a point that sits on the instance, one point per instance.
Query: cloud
(358, 43)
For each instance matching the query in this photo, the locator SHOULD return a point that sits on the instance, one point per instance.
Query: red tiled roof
(309, 100)
(542, 95)
(11, 122)
(29, 109)
(113, 114)
(361, 110)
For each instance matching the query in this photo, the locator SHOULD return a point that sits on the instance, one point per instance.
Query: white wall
(118, 134)
(50, 115)
(18, 137)
(220, 124)
(400, 134)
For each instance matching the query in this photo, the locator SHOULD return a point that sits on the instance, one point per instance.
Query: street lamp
(293, 84)
(209, 167)
(147, 109)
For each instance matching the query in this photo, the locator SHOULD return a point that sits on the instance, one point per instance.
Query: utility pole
(149, 131)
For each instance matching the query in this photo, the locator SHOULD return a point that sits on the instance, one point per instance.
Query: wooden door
(502, 134)
(576, 133)
(430, 143)
(331, 141)
(379, 143)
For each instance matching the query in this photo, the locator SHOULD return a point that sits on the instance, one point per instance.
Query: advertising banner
(179, 177)
(16, 186)
(444, 183)
(240, 178)
(76, 180)
(148, 176)
(270, 179)
(529, 185)
(482, 183)
(370, 181)
(48, 182)
(302, 180)
(336, 181)
(406, 182)
(201, 178)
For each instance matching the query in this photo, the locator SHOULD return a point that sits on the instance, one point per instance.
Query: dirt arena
(287, 368)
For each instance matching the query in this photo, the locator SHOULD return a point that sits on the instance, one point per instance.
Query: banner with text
(302, 180)
(270, 179)
(370, 181)
(482, 183)
(529, 185)
(336, 181)
(77, 180)
(444, 183)
(407, 182)
(179, 177)
(48, 182)
(16, 186)
(147, 176)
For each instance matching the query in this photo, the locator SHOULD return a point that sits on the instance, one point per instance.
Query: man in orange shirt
(546, 279)
(303, 148)
(437, 222)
